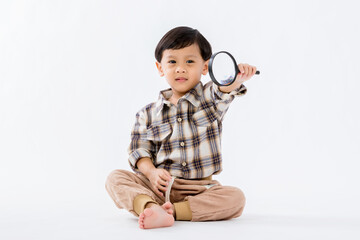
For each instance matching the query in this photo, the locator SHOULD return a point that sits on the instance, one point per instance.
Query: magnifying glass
(223, 68)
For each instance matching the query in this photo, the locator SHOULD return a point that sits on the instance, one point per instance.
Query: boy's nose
(180, 69)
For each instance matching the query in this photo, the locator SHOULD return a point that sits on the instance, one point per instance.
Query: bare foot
(169, 208)
(156, 216)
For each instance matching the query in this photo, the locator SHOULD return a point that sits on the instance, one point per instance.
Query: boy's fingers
(162, 188)
(250, 70)
(163, 177)
(162, 182)
(166, 175)
(246, 67)
(156, 189)
(241, 68)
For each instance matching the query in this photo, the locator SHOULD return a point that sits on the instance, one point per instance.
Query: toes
(141, 220)
(148, 212)
(167, 205)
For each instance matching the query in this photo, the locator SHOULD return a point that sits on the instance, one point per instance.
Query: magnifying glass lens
(223, 69)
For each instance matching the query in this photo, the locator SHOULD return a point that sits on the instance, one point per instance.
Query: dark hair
(181, 37)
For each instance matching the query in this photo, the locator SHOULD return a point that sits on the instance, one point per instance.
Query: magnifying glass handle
(257, 72)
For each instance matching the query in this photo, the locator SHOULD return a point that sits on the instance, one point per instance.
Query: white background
(74, 73)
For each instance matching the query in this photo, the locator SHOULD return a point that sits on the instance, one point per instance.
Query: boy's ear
(206, 67)
(159, 67)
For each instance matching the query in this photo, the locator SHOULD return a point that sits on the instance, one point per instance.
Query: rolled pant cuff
(140, 202)
(183, 211)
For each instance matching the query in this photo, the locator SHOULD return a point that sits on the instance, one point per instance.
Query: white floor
(107, 222)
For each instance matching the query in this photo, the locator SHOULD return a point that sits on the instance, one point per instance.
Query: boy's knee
(116, 177)
(240, 196)
(239, 200)
(236, 200)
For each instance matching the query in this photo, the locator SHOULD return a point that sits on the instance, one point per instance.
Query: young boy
(176, 142)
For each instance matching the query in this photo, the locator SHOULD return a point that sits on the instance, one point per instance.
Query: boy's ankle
(150, 204)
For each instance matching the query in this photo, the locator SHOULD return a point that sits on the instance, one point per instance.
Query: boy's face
(182, 68)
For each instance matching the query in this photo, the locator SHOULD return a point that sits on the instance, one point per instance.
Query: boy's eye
(188, 61)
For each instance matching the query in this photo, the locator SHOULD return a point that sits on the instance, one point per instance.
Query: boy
(175, 142)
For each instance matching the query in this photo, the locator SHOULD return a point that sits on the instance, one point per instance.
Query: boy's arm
(222, 98)
(140, 146)
(145, 165)
(142, 152)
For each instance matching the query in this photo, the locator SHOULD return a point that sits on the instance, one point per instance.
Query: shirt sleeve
(140, 146)
(222, 100)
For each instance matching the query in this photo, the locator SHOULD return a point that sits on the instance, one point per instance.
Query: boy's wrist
(230, 88)
(145, 165)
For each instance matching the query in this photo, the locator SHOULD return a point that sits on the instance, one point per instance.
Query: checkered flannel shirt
(184, 139)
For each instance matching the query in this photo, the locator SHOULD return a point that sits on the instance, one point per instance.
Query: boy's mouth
(180, 79)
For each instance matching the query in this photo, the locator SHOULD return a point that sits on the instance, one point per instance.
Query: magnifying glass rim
(212, 74)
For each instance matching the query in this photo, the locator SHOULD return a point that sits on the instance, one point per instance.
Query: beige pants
(195, 200)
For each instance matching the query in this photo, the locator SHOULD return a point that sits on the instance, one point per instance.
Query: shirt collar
(193, 96)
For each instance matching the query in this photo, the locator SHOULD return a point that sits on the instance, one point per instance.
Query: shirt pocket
(203, 120)
(204, 117)
(158, 133)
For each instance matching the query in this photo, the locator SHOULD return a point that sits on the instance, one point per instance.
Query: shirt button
(184, 164)
(182, 144)
(179, 119)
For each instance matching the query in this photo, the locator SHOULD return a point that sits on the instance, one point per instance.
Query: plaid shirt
(183, 139)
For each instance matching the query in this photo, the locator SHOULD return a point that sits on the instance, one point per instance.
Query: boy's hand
(159, 179)
(246, 72)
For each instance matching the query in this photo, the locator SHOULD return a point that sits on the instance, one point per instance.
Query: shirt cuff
(236, 92)
(136, 155)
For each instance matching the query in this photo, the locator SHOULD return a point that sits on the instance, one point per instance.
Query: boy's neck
(173, 100)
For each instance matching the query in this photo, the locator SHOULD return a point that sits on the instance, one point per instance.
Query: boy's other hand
(246, 72)
(159, 179)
